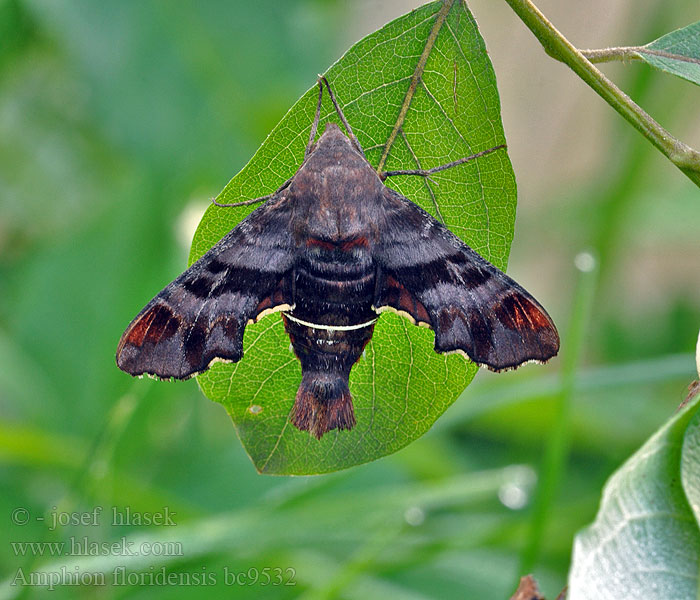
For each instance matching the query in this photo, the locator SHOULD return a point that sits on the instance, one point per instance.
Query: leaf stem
(632, 53)
(620, 53)
(556, 45)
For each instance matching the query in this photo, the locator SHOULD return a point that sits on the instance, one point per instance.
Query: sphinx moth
(332, 249)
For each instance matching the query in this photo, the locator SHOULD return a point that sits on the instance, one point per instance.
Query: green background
(118, 121)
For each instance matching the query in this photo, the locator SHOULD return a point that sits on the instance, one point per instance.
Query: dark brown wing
(201, 315)
(427, 272)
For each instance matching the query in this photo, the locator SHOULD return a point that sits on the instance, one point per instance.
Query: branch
(556, 45)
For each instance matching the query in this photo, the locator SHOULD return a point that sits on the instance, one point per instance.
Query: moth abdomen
(323, 402)
(335, 287)
(348, 300)
(326, 353)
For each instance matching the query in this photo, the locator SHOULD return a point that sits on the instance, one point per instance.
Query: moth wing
(201, 316)
(429, 274)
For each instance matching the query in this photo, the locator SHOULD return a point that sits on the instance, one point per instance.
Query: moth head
(333, 138)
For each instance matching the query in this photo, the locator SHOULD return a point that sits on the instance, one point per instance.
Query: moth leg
(254, 200)
(427, 172)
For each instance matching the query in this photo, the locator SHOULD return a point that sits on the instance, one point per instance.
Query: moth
(332, 249)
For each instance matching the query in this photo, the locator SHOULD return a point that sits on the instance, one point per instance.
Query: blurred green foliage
(116, 119)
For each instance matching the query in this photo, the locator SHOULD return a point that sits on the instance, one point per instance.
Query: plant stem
(556, 45)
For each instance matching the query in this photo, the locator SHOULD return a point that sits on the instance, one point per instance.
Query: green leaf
(645, 540)
(677, 53)
(401, 386)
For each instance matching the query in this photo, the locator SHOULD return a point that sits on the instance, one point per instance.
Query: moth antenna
(427, 172)
(343, 120)
(314, 127)
(254, 200)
